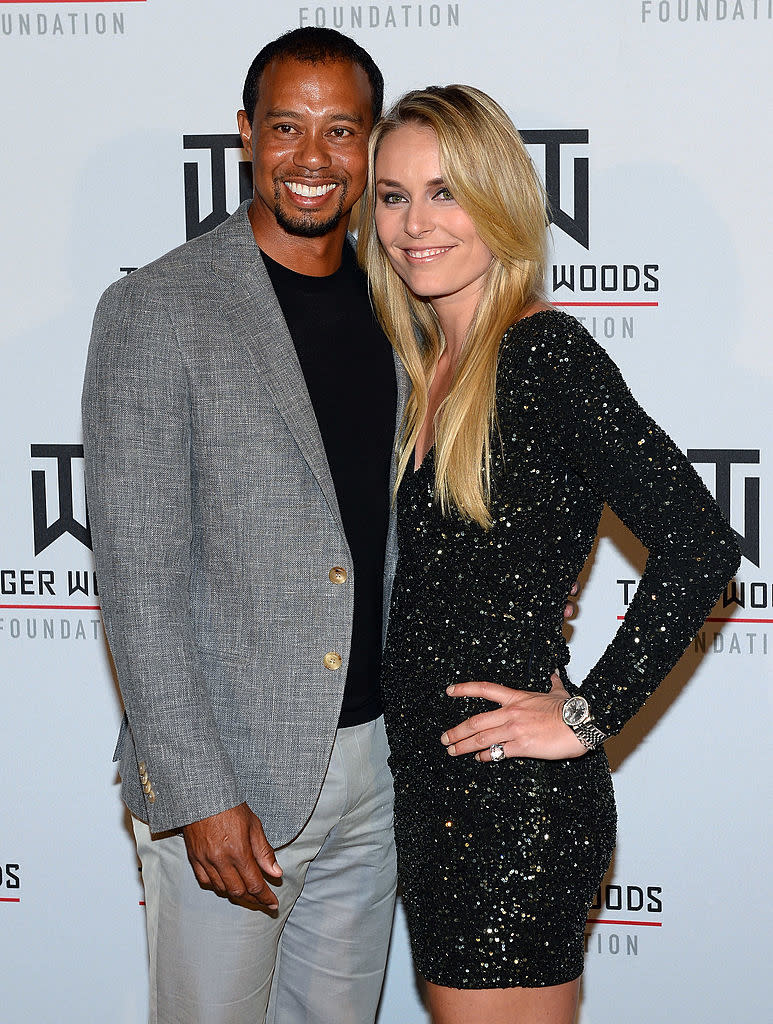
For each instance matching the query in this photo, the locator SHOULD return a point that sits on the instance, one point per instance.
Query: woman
(517, 429)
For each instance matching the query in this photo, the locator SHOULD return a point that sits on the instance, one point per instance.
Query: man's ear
(245, 130)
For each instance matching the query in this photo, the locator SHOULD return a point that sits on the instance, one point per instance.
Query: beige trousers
(321, 959)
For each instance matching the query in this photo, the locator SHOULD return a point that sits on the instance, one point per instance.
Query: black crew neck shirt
(350, 376)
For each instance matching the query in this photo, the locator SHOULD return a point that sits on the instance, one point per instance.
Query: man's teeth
(309, 190)
(420, 254)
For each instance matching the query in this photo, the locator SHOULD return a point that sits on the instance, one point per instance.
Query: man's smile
(299, 189)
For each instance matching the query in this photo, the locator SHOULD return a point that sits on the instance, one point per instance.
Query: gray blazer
(215, 525)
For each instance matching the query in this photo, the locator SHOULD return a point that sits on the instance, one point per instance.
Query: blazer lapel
(390, 555)
(403, 391)
(256, 319)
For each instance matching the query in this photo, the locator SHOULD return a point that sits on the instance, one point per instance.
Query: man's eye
(284, 129)
(340, 133)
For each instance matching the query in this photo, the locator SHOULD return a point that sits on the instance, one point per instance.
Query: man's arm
(136, 434)
(137, 438)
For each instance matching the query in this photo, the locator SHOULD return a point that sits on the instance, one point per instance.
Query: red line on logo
(56, 607)
(605, 303)
(142, 903)
(10, 899)
(38, 2)
(739, 620)
(637, 924)
(710, 619)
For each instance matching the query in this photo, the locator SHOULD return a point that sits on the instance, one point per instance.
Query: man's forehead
(307, 79)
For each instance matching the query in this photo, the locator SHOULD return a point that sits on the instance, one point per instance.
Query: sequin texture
(500, 862)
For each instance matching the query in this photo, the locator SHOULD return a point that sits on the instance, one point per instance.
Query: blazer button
(151, 797)
(333, 660)
(142, 767)
(147, 788)
(337, 574)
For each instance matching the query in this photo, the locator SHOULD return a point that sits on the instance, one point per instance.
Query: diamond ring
(497, 751)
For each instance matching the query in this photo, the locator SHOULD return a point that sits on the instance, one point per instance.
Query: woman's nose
(418, 220)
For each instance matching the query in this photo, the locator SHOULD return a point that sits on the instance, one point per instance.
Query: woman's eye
(443, 194)
(392, 198)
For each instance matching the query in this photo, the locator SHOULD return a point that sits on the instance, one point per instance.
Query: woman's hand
(526, 725)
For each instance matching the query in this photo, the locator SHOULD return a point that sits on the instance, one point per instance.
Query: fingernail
(451, 750)
(477, 757)
(444, 739)
(450, 689)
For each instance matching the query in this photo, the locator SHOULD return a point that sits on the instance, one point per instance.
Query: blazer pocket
(121, 737)
(233, 656)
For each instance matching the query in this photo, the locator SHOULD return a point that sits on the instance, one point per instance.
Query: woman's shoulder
(548, 338)
(551, 353)
(544, 325)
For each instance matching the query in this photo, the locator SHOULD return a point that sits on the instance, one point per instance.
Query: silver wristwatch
(576, 714)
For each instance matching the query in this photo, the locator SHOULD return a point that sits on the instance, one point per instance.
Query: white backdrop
(657, 154)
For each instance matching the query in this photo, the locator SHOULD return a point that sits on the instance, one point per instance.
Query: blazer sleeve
(634, 466)
(137, 437)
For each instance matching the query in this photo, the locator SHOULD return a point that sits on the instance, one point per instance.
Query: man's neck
(315, 257)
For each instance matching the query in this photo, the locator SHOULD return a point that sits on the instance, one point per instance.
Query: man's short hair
(313, 46)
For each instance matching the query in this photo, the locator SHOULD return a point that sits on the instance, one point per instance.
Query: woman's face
(429, 239)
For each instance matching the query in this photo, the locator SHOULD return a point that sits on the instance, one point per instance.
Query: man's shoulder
(175, 271)
(186, 269)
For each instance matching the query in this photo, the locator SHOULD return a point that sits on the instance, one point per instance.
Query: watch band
(588, 735)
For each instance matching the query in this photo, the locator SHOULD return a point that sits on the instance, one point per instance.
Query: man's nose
(311, 152)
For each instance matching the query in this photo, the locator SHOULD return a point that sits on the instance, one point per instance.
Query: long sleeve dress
(499, 861)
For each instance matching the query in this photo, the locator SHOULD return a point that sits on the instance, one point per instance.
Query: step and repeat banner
(648, 121)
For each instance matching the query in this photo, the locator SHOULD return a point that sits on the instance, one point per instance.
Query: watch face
(575, 711)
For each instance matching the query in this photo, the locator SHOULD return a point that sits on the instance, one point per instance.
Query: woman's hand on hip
(527, 724)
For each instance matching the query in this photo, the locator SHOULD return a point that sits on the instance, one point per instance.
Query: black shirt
(349, 370)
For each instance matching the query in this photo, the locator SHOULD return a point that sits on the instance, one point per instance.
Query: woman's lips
(424, 255)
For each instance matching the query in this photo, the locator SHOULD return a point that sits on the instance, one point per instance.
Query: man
(239, 410)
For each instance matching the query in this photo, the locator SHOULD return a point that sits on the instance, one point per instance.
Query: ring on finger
(497, 751)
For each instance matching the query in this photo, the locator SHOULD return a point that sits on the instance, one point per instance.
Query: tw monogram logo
(220, 148)
(723, 459)
(46, 533)
(228, 172)
(576, 225)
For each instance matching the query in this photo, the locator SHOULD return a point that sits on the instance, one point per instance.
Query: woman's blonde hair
(491, 176)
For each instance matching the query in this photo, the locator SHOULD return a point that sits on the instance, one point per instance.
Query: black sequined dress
(499, 862)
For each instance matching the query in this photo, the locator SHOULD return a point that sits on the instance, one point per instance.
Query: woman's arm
(610, 443)
(633, 465)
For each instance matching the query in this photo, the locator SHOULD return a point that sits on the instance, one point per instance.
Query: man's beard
(304, 224)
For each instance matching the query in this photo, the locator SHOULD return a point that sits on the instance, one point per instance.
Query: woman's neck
(454, 317)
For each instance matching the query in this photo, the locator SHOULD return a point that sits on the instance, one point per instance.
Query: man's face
(309, 143)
